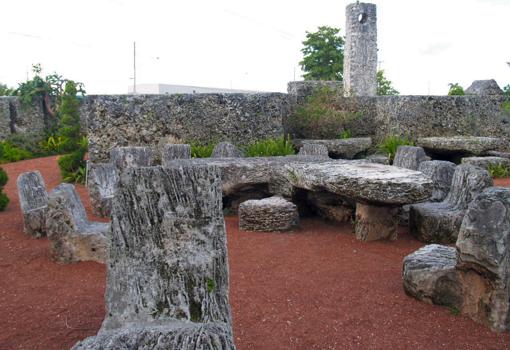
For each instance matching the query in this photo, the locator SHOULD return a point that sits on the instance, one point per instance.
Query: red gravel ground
(315, 288)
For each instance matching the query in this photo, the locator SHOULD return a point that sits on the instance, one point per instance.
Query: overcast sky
(254, 45)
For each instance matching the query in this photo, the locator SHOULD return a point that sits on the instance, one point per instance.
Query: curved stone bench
(72, 236)
(340, 148)
(409, 157)
(33, 200)
(167, 284)
(460, 145)
(440, 222)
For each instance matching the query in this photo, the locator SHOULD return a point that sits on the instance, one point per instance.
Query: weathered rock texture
(476, 279)
(360, 62)
(498, 154)
(484, 162)
(268, 215)
(128, 157)
(33, 200)
(484, 87)
(226, 150)
(376, 222)
(461, 145)
(102, 181)
(22, 120)
(441, 172)
(299, 90)
(440, 222)
(72, 236)
(171, 152)
(143, 119)
(330, 206)
(409, 157)
(167, 282)
(316, 150)
(340, 148)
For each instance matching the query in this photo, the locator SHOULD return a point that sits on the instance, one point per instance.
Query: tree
(384, 86)
(455, 90)
(506, 90)
(323, 54)
(5, 91)
(69, 127)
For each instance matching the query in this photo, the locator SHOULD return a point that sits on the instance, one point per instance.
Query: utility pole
(134, 67)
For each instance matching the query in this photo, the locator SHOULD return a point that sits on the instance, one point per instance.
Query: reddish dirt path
(316, 288)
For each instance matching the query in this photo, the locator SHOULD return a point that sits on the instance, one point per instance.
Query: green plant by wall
(201, 150)
(506, 90)
(270, 147)
(321, 117)
(69, 125)
(499, 170)
(346, 134)
(72, 165)
(455, 90)
(4, 200)
(10, 153)
(390, 144)
(505, 106)
(385, 86)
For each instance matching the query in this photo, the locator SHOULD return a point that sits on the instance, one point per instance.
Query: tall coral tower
(360, 62)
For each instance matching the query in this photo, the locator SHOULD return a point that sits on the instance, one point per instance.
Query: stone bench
(102, 181)
(268, 215)
(33, 200)
(72, 236)
(440, 222)
(226, 150)
(474, 277)
(314, 150)
(167, 285)
(340, 148)
(460, 145)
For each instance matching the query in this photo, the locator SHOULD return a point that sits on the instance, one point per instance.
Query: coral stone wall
(18, 119)
(146, 119)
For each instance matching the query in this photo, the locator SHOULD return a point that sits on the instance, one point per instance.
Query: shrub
(69, 126)
(390, 144)
(72, 165)
(4, 200)
(11, 153)
(455, 90)
(346, 134)
(499, 170)
(54, 145)
(506, 90)
(321, 117)
(270, 147)
(505, 106)
(201, 151)
(28, 142)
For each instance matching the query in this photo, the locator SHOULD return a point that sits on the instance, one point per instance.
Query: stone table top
(364, 182)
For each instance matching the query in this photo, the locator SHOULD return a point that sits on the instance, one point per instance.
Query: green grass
(270, 147)
(390, 144)
(499, 170)
(201, 151)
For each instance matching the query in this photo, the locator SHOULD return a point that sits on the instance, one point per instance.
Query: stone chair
(126, 157)
(167, 285)
(315, 150)
(33, 200)
(409, 157)
(474, 277)
(440, 222)
(102, 180)
(72, 236)
(172, 152)
(268, 214)
(226, 150)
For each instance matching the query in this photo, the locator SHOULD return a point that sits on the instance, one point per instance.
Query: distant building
(180, 89)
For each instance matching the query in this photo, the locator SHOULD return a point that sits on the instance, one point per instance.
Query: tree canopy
(323, 54)
(384, 86)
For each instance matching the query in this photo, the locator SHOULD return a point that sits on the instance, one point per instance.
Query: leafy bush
(346, 134)
(455, 90)
(10, 153)
(72, 165)
(506, 90)
(320, 116)
(506, 107)
(28, 142)
(270, 147)
(4, 200)
(390, 144)
(54, 145)
(499, 170)
(69, 126)
(201, 151)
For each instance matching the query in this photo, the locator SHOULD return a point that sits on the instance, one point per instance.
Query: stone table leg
(376, 222)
